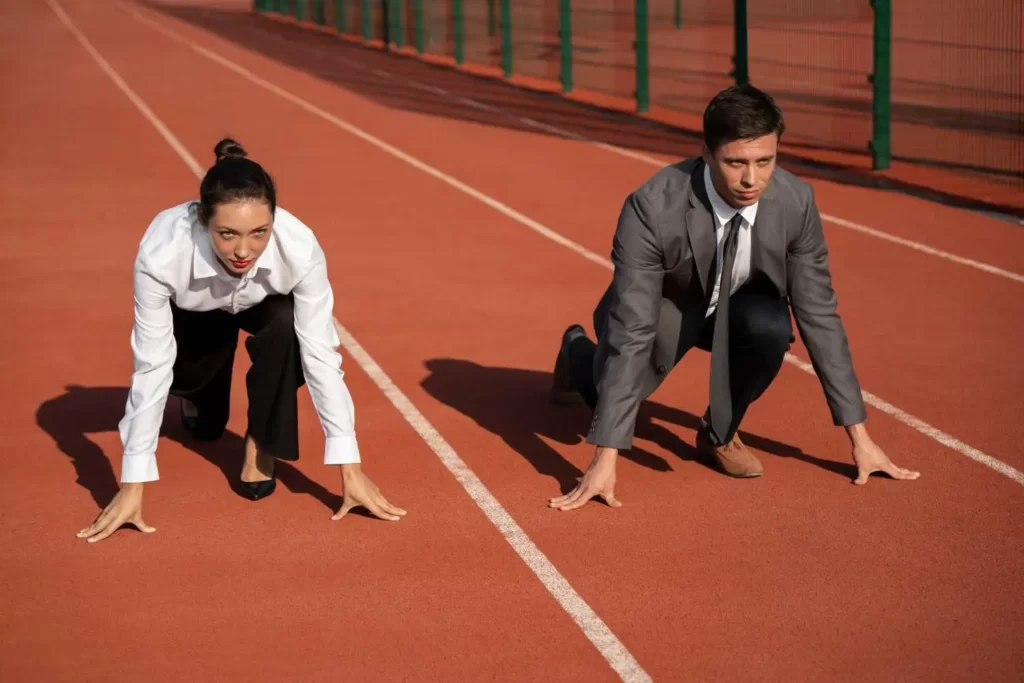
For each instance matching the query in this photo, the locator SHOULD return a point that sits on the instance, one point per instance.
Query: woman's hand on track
(360, 491)
(125, 508)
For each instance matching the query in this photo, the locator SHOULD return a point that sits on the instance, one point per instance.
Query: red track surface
(798, 576)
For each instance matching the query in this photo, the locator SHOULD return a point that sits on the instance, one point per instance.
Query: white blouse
(176, 262)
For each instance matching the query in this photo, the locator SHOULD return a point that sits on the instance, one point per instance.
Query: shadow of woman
(71, 417)
(514, 404)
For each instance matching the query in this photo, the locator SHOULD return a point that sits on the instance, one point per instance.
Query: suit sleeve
(624, 350)
(814, 304)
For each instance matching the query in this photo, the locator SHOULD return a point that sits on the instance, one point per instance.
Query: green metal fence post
(397, 22)
(565, 35)
(319, 16)
(340, 17)
(457, 32)
(678, 13)
(506, 37)
(300, 9)
(740, 58)
(881, 87)
(418, 28)
(366, 9)
(642, 49)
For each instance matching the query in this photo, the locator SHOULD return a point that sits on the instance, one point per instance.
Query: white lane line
(647, 159)
(870, 399)
(128, 92)
(842, 222)
(428, 88)
(924, 248)
(614, 652)
(928, 430)
(606, 642)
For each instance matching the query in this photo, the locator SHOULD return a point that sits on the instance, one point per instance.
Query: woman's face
(239, 232)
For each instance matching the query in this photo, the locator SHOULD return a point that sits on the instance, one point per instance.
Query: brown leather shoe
(733, 458)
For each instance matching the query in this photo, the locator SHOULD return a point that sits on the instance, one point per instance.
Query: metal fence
(929, 81)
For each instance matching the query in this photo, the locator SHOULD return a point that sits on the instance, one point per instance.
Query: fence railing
(931, 81)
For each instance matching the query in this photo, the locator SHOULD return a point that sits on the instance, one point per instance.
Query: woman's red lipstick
(241, 264)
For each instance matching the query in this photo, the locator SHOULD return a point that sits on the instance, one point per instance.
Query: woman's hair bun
(229, 149)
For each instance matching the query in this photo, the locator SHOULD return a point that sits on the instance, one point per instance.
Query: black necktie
(721, 396)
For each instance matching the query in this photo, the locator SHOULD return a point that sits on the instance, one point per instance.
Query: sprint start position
(234, 261)
(728, 211)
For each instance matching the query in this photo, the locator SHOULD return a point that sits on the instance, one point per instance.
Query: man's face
(741, 169)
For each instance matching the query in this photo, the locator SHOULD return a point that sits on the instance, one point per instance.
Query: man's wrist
(606, 453)
(858, 434)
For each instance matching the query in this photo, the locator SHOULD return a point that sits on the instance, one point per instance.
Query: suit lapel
(767, 239)
(700, 229)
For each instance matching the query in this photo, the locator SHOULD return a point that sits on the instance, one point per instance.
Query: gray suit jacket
(664, 251)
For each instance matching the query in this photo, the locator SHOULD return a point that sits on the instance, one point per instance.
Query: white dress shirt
(723, 214)
(176, 262)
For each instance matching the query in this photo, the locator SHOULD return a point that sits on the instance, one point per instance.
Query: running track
(429, 214)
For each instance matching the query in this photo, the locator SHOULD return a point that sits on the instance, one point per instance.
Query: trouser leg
(760, 334)
(275, 376)
(206, 342)
(581, 369)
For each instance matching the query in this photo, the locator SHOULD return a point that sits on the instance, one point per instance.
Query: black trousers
(760, 334)
(206, 342)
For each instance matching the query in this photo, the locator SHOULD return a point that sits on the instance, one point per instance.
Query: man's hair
(741, 112)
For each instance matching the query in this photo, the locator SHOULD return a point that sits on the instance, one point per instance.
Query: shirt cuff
(341, 450)
(139, 468)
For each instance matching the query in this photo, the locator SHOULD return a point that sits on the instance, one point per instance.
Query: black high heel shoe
(256, 490)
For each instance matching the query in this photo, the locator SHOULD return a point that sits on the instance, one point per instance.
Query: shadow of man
(513, 403)
(71, 417)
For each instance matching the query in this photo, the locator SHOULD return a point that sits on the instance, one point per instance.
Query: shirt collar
(724, 212)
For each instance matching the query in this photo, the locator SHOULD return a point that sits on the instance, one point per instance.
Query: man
(729, 210)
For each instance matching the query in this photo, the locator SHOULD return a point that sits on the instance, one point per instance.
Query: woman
(205, 270)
